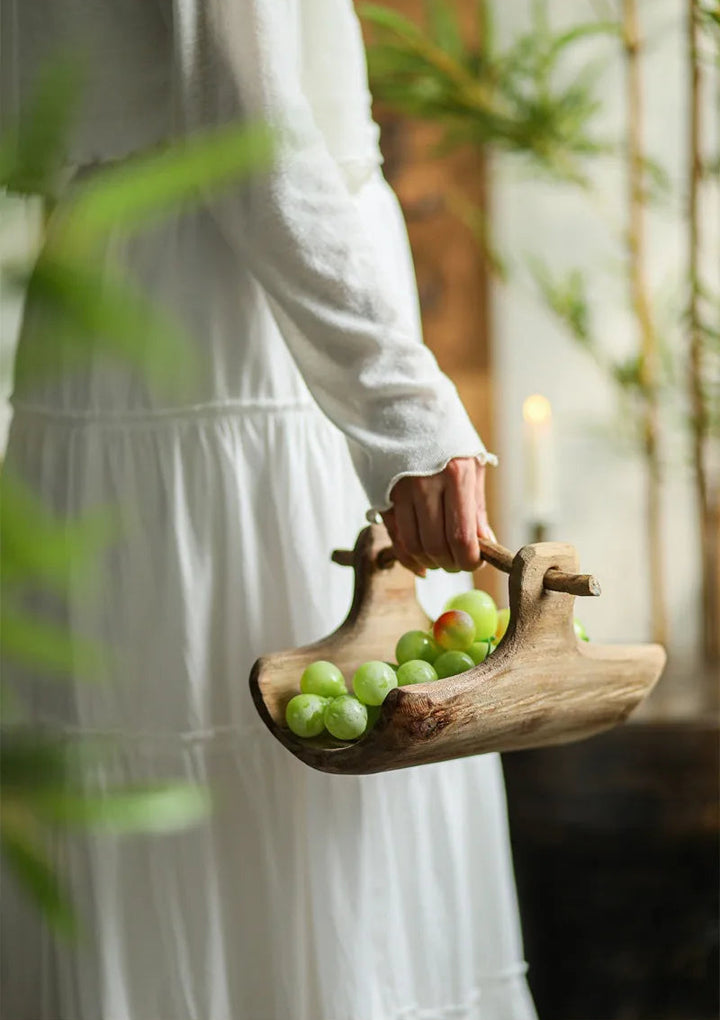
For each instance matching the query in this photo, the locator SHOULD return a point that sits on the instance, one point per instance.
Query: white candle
(538, 457)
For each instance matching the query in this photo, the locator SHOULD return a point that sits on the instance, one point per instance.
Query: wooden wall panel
(453, 279)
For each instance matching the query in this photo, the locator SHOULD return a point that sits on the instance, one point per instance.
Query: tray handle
(500, 558)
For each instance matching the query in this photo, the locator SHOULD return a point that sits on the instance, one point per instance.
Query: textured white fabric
(297, 228)
(304, 240)
(305, 897)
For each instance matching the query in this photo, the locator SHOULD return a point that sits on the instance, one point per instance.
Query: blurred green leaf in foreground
(48, 779)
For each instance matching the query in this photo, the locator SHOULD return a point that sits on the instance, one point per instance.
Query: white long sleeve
(306, 244)
(163, 67)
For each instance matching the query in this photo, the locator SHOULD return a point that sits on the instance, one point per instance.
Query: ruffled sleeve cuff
(424, 446)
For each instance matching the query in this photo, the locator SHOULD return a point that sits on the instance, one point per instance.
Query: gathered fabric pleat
(304, 896)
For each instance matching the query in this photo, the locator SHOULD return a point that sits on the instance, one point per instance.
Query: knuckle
(424, 484)
(462, 537)
(455, 468)
(467, 555)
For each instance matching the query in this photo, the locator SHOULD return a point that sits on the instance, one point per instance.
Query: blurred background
(559, 169)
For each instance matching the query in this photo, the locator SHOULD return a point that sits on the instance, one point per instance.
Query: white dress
(305, 896)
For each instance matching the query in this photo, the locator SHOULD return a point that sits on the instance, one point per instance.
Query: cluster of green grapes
(462, 637)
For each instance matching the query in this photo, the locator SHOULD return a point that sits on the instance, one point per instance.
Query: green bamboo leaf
(658, 185)
(511, 104)
(486, 30)
(140, 190)
(390, 21)
(709, 15)
(33, 871)
(12, 706)
(163, 808)
(36, 644)
(567, 299)
(37, 756)
(97, 310)
(31, 759)
(578, 33)
(711, 333)
(444, 27)
(627, 373)
(32, 150)
(477, 221)
(35, 546)
(540, 19)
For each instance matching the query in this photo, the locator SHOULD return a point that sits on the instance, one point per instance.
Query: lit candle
(538, 450)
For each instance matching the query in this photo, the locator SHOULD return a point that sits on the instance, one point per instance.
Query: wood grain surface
(540, 686)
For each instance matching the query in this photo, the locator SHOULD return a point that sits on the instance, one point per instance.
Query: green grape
(416, 671)
(481, 606)
(452, 663)
(323, 678)
(454, 630)
(479, 651)
(372, 682)
(346, 718)
(305, 714)
(580, 632)
(502, 624)
(392, 665)
(416, 644)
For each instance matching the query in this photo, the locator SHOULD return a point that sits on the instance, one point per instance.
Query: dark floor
(615, 842)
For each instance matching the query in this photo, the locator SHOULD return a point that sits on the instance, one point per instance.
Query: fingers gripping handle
(500, 558)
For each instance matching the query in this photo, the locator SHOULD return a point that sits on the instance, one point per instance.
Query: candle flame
(536, 409)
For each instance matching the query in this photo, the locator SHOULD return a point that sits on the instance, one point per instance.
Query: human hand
(435, 521)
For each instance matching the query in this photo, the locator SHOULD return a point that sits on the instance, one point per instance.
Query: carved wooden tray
(540, 686)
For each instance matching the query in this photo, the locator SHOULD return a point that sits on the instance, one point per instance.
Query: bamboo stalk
(709, 593)
(649, 356)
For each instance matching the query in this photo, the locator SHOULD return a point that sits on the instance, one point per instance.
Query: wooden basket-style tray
(540, 686)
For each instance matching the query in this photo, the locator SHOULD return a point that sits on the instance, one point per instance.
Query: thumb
(483, 525)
